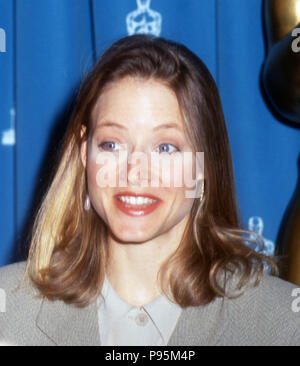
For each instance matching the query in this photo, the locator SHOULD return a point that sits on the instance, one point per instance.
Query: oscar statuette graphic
(281, 80)
(281, 73)
(288, 245)
(144, 20)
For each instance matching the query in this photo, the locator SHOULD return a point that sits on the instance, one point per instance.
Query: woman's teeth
(136, 200)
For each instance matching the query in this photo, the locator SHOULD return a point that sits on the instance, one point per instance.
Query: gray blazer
(263, 315)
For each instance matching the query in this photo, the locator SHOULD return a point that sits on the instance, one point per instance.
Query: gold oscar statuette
(281, 73)
(281, 80)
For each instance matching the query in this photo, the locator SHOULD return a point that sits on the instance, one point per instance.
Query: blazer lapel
(68, 325)
(200, 325)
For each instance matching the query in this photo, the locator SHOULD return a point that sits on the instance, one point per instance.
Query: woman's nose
(138, 171)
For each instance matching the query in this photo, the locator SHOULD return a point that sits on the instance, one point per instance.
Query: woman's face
(137, 116)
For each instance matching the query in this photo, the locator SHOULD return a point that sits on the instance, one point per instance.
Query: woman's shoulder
(16, 287)
(273, 292)
(270, 311)
(17, 290)
(11, 274)
(19, 306)
(265, 314)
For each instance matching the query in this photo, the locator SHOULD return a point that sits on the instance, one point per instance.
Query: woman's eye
(107, 145)
(112, 146)
(165, 148)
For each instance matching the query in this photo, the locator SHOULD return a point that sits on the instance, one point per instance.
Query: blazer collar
(201, 325)
(68, 325)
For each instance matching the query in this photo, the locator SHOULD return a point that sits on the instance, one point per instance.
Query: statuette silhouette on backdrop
(255, 223)
(8, 135)
(144, 20)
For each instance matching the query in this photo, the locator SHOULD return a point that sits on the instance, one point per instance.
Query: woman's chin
(132, 236)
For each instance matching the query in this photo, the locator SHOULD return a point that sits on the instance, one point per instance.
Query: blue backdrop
(46, 48)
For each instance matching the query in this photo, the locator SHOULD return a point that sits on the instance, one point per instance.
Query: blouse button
(141, 319)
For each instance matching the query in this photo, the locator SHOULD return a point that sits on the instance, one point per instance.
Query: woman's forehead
(132, 101)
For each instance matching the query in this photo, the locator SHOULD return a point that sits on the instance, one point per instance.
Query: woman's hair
(68, 250)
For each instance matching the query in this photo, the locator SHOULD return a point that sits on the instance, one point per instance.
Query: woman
(138, 263)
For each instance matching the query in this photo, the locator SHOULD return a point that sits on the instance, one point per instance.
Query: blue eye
(167, 151)
(106, 144)
(110, 146)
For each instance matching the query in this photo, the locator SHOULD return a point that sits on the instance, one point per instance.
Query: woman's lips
(136, 210)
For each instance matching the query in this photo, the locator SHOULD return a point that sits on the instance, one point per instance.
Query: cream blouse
(122, 324)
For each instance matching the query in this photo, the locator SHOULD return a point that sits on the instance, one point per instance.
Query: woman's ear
(83, 148)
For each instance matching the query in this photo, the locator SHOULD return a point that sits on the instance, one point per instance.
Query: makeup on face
(138, 196)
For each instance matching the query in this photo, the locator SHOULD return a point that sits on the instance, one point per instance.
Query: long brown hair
(68, 249)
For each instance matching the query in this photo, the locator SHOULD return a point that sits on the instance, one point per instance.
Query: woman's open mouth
(136, 205)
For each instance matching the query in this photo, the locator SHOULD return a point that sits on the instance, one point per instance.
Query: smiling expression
(144, 116)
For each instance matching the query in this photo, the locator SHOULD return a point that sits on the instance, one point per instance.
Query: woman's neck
(132, 268)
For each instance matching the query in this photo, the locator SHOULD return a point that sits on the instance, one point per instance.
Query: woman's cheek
(102, 170)
(92, 173)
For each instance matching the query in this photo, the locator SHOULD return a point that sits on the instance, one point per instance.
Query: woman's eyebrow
(110, 124)
(159, 127)
(168, 125)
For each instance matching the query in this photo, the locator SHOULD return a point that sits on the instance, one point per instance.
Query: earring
(202, 192)
(87, 203)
